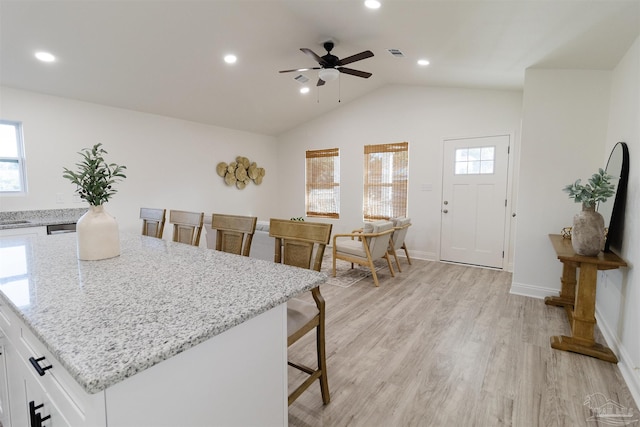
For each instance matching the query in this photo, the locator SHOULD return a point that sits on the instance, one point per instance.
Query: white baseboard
(532, 291)
(426, 256)
(625, 363)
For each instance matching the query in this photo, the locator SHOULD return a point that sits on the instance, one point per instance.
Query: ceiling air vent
(396, 52)
(301, 79)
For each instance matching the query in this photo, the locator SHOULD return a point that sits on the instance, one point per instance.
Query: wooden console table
(578, 297)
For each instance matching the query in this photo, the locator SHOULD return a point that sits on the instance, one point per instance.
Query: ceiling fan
(331, 65)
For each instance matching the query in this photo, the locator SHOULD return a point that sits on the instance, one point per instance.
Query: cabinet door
(17, 408)
(30, 405)
(41, 410)
(5, 419)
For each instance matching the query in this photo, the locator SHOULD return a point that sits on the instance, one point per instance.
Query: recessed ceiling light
(372, 4)
(423, 62)
(304, 90)
(230, 59)
(45, 56)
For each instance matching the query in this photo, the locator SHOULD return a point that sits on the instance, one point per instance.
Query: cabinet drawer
(78, 407)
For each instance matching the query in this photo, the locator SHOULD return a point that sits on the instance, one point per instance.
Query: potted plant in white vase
(588, 233)
(97, 231)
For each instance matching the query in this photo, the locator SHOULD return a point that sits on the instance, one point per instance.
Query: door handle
(445, 211)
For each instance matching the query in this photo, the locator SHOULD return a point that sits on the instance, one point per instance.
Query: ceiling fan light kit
(328, 74)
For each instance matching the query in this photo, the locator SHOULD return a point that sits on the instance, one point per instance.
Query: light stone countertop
(107, 320)
(39, 218)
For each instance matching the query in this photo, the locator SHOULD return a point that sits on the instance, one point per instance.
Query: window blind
(323, 183)
(386, 180)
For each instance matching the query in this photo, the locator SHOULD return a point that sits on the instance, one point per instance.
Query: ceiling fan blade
(353, 72)
(300, 70)
(357, 57)
(320, 82)
(320, 60)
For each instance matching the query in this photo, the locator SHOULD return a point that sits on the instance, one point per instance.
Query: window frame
(19, 159)
(371, 210)
(474, 165)
(313, 171)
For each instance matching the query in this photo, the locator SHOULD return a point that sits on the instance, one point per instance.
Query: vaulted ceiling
(166, 57)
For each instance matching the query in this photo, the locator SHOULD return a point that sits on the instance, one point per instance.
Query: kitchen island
(164, 334)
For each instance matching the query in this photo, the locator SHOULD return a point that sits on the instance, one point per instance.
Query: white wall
(170, 163)
(571, 121)
(422, 116)
(564, 123)
(618, 292)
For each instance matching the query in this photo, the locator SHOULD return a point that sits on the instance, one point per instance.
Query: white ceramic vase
(587, 234)
(98, 235)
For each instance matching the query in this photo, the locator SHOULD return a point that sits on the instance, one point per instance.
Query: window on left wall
(12, 170)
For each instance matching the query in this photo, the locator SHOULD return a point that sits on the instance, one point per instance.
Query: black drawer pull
(36, 419)
(39, 369)
(40, 420)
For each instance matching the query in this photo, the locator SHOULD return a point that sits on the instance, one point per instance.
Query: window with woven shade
(323, 183)
(386, 180)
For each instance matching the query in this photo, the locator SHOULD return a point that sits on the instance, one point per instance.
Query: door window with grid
(386, 180)
(323, 183)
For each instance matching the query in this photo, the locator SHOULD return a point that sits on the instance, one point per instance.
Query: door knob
(445, 211)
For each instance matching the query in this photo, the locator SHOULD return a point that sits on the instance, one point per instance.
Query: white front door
(474, 199)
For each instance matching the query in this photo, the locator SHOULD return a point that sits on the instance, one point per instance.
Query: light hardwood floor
(447, 345)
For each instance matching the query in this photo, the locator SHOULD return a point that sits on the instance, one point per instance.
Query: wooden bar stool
(153, 221)
(187, 226)
(234, 233)
(302, 244)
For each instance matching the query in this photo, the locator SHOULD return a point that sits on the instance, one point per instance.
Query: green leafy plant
(297, 219)
(598, 189)
(95, 177)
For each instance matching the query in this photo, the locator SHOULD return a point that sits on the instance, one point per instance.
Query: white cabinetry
(25, 231)
(237, 378)
(4, 386)
(41, 392)
(31, 405)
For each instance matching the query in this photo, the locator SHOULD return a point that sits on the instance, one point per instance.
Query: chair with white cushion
(400, 228)
(301, 244)
(364, 246)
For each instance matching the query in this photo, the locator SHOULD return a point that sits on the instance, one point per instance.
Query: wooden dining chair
(187, 226)
(153, 221)
(302, 244)
(234, 233)
(400, 228)
(364, 246)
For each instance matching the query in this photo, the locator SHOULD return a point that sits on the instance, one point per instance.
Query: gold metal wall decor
(241, 172)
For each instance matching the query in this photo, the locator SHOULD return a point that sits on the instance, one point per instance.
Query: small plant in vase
(587, 234)
(97, 231)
